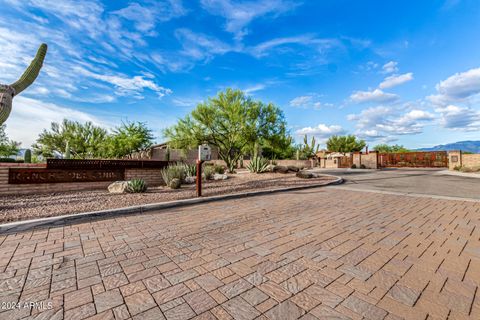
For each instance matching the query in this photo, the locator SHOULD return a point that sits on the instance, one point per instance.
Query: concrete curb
(458, 174)
(78, 217)
(407, 194)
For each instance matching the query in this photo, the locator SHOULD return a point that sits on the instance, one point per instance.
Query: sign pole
(199, 178)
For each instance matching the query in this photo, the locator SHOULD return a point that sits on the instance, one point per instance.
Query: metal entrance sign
(35, 176)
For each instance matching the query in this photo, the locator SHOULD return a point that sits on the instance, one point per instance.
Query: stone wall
(151, 176)
(369, 160)
(458, 158)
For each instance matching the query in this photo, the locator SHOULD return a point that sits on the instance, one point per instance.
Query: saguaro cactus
(7, 92)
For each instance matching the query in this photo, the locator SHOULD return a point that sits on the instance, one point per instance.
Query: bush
(354, 166)
(219, 169)
(7, 160)
(174, 171)
(258, 165)
(208, 172)
(457, 167)
(362, 166)
(137, 186)
(189, 169)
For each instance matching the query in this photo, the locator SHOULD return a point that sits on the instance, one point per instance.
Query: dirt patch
(23, 207)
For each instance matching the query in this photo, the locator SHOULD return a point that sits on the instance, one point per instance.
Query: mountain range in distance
(466, 146)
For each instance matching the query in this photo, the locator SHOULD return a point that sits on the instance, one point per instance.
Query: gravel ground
(14, 208)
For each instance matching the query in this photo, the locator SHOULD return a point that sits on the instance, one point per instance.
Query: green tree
(308, 150)
(84, 140)
(7, 147)
(345, 144)
(128, 138)
(385, 148)
(232, 122)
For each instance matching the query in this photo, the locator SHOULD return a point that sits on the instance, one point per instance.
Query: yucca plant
(137, 186)
(173, 171)
(189, 169)
(257, 165)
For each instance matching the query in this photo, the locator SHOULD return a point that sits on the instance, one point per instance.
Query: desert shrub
(362, 166)
(174, 171)
(189, 169)
(137, 186)
(208, 172)
(258, 165)
(354, 166)
(219, 169)
(457, 167)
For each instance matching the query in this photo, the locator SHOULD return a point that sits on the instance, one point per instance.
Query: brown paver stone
(312, 254)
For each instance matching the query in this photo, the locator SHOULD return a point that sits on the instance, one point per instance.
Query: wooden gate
(434, 159)
(345, 162)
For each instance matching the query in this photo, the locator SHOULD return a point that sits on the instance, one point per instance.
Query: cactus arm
(32, 71)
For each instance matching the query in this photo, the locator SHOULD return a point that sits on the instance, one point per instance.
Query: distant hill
(468, 146)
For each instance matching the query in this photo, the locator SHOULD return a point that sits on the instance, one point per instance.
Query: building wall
(471, 160)
(151, 176)
(369, 160)
(457, 158)
(454, 159)
(357, 159)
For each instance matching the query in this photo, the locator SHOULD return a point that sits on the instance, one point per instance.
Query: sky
(399, 72)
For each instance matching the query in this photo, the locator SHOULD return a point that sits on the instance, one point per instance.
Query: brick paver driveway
(313, 254)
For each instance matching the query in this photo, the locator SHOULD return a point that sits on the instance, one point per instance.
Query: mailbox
(204, 152)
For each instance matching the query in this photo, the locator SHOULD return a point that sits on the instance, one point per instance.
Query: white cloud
(239, 15)
(308, 101)
(381, 122)
(145, 18)
(126, 85)
(460, 86)
(376, 96)
(30, 116)
(320, 44)
(255, 88)
(396, 80)
(200, 46)
(322, 130)
(390, 67)
(459, 118)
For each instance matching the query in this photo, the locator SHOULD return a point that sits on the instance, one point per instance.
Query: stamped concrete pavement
(437, 182)
(314, 254)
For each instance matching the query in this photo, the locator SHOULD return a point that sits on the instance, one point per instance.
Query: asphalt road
(419, 181)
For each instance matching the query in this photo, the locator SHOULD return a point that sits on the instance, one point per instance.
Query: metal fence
(104, 164)
(434, 159)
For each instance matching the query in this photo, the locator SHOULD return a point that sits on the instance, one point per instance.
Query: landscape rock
(280, 169)
(270, 168)
(306, 174)
(118, 187)
(218, 176)
(175, 183)
(190, 180)
(293, 168)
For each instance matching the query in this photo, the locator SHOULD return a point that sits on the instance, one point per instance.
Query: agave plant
(7, 92)
(258, 165)
(137, 186)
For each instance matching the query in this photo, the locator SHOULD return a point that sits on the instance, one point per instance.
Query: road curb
(79, 217)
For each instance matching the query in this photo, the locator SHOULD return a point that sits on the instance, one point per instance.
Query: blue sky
(404, 72)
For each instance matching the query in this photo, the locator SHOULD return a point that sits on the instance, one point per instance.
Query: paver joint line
(334, 254)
